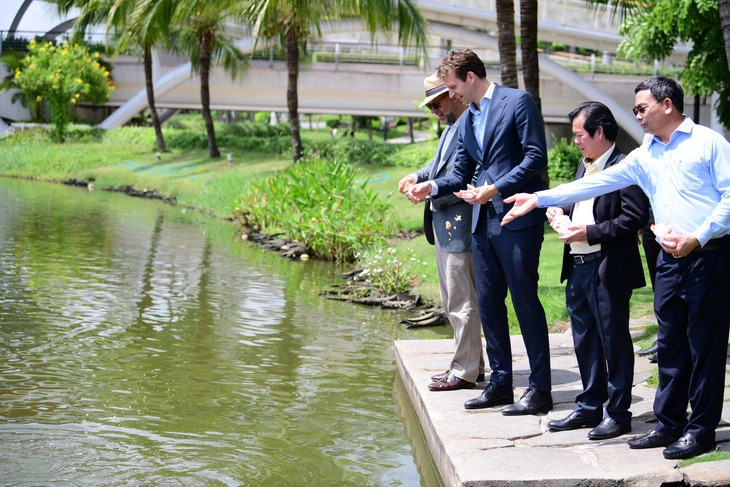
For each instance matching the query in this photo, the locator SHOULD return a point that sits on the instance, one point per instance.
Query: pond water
(143, 344)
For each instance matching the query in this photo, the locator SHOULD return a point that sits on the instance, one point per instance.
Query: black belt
(708, 247)
(583, 258)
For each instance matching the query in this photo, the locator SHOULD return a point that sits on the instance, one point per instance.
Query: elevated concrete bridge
(365, 89)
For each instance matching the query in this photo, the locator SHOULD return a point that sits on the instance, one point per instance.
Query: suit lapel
(449, 149)
(468, 134)
(436, 165)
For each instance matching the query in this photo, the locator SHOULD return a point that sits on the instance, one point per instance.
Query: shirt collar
(601, 161)
(685, 128)
(482, 103)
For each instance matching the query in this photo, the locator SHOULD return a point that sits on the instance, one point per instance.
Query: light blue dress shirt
(479, 116)
(478, 124)
(686, 180)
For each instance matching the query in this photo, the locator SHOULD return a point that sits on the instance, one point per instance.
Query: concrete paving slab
(485, 448)
(708, 473)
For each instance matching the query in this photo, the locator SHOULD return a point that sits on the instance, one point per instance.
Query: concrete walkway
(484, 448)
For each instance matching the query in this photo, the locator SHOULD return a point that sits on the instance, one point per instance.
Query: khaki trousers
(459, 298)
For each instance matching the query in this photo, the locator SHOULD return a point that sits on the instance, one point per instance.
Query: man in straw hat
(447, 224)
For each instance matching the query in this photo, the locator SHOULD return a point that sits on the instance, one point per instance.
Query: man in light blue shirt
(685, 171)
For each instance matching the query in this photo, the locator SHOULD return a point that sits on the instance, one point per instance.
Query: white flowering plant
(385, 270)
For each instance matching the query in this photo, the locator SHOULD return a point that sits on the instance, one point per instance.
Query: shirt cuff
(434, 188)
(703, 234)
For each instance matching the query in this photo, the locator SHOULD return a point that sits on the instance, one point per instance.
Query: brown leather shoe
(451, 383)
(440, 377)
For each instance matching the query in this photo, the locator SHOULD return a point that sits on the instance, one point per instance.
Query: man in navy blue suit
(501, 147)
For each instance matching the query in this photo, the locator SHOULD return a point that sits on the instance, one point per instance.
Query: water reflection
(141, 344)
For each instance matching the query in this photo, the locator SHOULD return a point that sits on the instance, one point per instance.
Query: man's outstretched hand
(524, 203)
(418, 192)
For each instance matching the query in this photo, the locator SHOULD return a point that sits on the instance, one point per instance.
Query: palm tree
(201, 34)
(134, 23)
(294, 21)
(145, 24)
(530, 63)
(506, 42)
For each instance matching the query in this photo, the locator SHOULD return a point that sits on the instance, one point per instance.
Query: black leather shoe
(609, 428)
(493, 395)
(653, 358)
(480, 377)
(686, 447)
(648, 351)
(440, 377)
(573, 421)
(651, 440)
(531, 402)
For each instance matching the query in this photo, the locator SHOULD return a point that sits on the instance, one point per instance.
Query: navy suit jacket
(451, 216)
(514, 154)
(619, 216)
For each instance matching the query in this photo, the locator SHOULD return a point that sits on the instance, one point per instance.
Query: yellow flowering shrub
(62, 76)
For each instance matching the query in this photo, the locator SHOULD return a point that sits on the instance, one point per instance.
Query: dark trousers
(603, 347)
(692, 305)
(508, 259)
(651, 252)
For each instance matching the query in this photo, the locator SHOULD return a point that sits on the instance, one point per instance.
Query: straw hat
(434, 87)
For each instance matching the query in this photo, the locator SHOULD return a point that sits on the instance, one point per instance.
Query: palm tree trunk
(530, 63)
(151, 98)
(292, 97)
(206, 46)
(724, 7)
(506, 42)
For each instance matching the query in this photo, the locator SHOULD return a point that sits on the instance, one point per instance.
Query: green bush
(133, 136)
(412, 155)
(356, 151)
(563, 160)
(317, 203)
(62, 76)
(253, 129)
(262, 117)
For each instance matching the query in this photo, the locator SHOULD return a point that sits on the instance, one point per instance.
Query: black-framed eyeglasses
(434, 105)
(642, 108)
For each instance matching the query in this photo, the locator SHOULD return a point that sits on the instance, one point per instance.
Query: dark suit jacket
(514, 154)
(451, 216)
(619, 216)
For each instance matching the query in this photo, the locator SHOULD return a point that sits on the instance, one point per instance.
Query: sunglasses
(434, 105)
(642, 108)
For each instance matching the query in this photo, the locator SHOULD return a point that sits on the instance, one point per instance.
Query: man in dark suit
(447, 224)
(602, 264)
(502, 143)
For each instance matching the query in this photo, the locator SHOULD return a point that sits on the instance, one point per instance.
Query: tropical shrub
(563, 160)
(318, 203)
(62, 76)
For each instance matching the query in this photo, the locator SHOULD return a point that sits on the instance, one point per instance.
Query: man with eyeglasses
(447, 225)
(684, 169)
